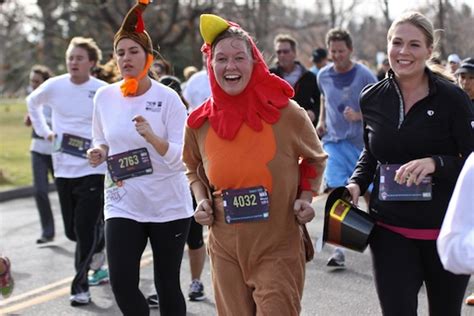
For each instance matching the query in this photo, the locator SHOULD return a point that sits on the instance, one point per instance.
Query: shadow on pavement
(59, 250)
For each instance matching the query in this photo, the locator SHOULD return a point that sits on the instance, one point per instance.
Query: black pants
(125, 241)
(82, 201)
(401, 265)
(195, 239)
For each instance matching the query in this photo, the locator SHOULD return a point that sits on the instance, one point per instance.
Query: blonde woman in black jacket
(418, 131)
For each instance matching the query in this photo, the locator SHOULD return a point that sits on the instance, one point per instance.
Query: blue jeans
(42, 165)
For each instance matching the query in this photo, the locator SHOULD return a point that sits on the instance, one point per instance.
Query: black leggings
(401, 265)
(125, 241)
(195, 238)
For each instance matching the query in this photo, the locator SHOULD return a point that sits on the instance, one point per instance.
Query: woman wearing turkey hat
(138, 129)
(245, 144)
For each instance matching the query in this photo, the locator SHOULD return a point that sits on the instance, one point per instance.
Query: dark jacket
(307, 93)
(440, 126)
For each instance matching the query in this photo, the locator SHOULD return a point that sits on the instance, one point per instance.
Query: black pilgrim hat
(344, 224)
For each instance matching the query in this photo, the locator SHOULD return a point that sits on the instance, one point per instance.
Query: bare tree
(15, 51)
(386, 13)
(441, 18)
(50, 31)
(41, 35)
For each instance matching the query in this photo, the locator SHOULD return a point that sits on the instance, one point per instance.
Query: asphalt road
(43, 274)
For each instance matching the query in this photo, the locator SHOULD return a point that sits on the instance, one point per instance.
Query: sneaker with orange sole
(470, 299)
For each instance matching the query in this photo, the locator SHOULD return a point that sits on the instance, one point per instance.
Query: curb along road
(21, 192)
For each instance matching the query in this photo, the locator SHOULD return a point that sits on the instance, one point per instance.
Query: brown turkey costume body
(256, 138)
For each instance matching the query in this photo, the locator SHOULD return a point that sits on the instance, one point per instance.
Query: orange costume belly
(241, 162)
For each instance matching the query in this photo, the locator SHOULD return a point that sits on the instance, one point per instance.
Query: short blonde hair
(189, 71)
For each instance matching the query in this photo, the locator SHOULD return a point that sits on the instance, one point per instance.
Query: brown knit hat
(133, 27)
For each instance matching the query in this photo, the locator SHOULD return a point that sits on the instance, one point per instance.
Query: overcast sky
(373, 6)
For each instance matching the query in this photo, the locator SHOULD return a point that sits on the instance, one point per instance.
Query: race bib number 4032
(246, 205)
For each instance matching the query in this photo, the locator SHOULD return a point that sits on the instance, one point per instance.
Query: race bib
(75, 145)
(246, 205)
(129, 164)
(389, 190)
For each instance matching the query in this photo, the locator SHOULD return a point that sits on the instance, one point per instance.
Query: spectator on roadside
(138, 130)
(453, 63)
(340, 119)
(197, 88)
(415, 147)
(41, 162)
(302, 80)
(80, 187)
(320, 59)
(243, 149)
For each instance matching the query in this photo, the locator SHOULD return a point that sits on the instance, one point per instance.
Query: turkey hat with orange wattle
(133, 28)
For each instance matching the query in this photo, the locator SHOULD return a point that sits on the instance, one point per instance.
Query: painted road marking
(147, 259)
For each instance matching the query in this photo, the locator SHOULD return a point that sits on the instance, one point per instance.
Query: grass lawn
(15, 137)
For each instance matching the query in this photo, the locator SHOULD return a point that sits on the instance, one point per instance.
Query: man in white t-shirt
(80, 187)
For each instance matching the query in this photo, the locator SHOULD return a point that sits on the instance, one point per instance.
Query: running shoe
(99, 277)
(470, 299)
(153, 301)
(196, 291)
(44, 240)
(80, 299)
(337, 260)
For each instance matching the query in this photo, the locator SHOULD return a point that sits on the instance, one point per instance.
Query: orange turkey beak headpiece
(133, 28)
(261, 100)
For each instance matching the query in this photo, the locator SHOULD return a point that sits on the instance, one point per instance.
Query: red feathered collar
(262, 99)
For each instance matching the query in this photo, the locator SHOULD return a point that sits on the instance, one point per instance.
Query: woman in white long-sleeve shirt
(138, 129)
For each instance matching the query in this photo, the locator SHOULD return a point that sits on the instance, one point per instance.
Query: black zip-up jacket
(440, 126)
(307, 93)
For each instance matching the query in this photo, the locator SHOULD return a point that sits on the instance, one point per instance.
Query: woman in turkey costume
(254, 163)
